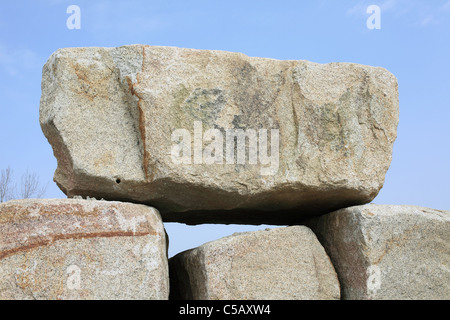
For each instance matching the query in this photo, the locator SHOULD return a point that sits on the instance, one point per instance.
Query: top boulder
(218, 137)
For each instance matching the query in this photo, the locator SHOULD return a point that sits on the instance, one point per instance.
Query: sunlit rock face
(218, 137)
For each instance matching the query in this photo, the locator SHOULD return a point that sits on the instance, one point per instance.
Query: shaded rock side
(281, 264)
(388, 251)
(79, 249)
(150, 125)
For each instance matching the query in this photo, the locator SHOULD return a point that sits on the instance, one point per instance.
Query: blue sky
(413, 43)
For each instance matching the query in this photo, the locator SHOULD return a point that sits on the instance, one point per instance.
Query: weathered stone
(131, 123)
(283, 264)
(388, 251)
(79, 249)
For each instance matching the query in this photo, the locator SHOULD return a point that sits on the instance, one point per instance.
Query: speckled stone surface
(279, 264)
(80, 249)
(388, 251)
(110, 115)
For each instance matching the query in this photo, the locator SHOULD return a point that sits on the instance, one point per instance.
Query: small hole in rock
(118, 180)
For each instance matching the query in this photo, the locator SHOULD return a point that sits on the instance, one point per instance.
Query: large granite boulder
(80, 249)
(388, 251)
(218, 137)
(276, 264)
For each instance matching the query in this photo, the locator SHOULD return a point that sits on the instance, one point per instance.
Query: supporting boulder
(388, 252)
(275, 264)
(80, 249)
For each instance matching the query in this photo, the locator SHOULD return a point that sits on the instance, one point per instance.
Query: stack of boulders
(196, 136)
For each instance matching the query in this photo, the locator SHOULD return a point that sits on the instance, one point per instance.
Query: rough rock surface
(282, 263)
(79, 249)
(389, 251)
(150, 125)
